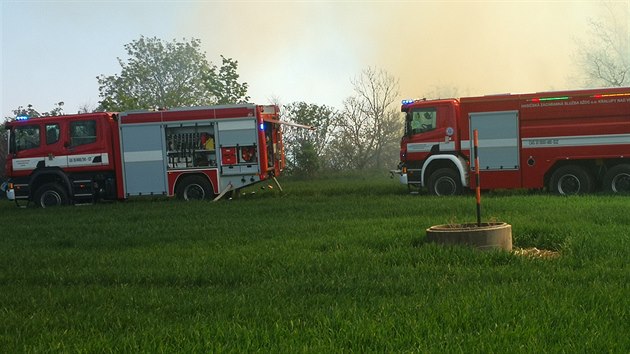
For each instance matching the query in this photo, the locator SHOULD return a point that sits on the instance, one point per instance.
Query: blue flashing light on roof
(404, 102)
(22, 117)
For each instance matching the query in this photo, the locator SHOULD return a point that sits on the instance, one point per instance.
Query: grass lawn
(330, 265)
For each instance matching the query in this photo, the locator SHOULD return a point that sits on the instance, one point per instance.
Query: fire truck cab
(54, 159)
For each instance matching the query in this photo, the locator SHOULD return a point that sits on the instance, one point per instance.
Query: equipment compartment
(190, 146)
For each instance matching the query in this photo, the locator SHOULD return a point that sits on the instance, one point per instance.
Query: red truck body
(568, 141)
(192, 153)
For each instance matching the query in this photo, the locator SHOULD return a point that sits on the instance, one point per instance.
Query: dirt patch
(536, 253)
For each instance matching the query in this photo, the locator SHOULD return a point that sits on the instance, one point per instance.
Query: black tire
(194, 188)
(571, 180)
(617, 180)
(51, 195)
(444, 182)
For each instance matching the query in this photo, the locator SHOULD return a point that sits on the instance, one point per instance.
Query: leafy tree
(161, 74)
(28, 111)
(306, 161)
(31, 112)
(223, 83)
(3, 152)
(605, 57)
(56, 111)
(87, 108)
(307, 148)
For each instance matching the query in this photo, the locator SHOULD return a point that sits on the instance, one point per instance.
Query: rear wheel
(194, 188)
(444, 181)
(571, 180)
(51, 195)
(617, 179)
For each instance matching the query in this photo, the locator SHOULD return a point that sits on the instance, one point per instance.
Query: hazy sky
(298, 50)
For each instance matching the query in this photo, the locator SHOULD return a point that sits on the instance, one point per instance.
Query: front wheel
(617, 180)
(194, 188)
(571, 180)
(51, 195)
(444, 181)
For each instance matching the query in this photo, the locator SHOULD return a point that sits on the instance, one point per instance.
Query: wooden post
(477, 167)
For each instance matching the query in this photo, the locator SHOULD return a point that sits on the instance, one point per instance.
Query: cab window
(421, 120)
(52, 133)
(25, 138)
(82, 132)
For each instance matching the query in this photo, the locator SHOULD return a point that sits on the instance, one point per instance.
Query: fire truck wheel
(50, 195)
(571, 180)
(194, 188)
(617, 180)
(444, 181)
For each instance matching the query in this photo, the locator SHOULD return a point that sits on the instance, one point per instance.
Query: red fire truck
(570, 142)
(191, 153)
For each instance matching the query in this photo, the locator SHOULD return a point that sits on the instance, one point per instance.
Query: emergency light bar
(545, 99)
(564, 98)
(21, 117)
(404, 102)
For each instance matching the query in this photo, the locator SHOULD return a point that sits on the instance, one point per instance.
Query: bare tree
(605, 58)
(350, 144)
(369, 125)
(442, 91)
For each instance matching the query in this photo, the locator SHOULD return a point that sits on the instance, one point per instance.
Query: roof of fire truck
(25, 120)
(535, 97)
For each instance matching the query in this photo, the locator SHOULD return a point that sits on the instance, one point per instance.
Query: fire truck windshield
(23, 138)
(420, 120)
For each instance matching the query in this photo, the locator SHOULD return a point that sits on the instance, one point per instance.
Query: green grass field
(331, 265)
